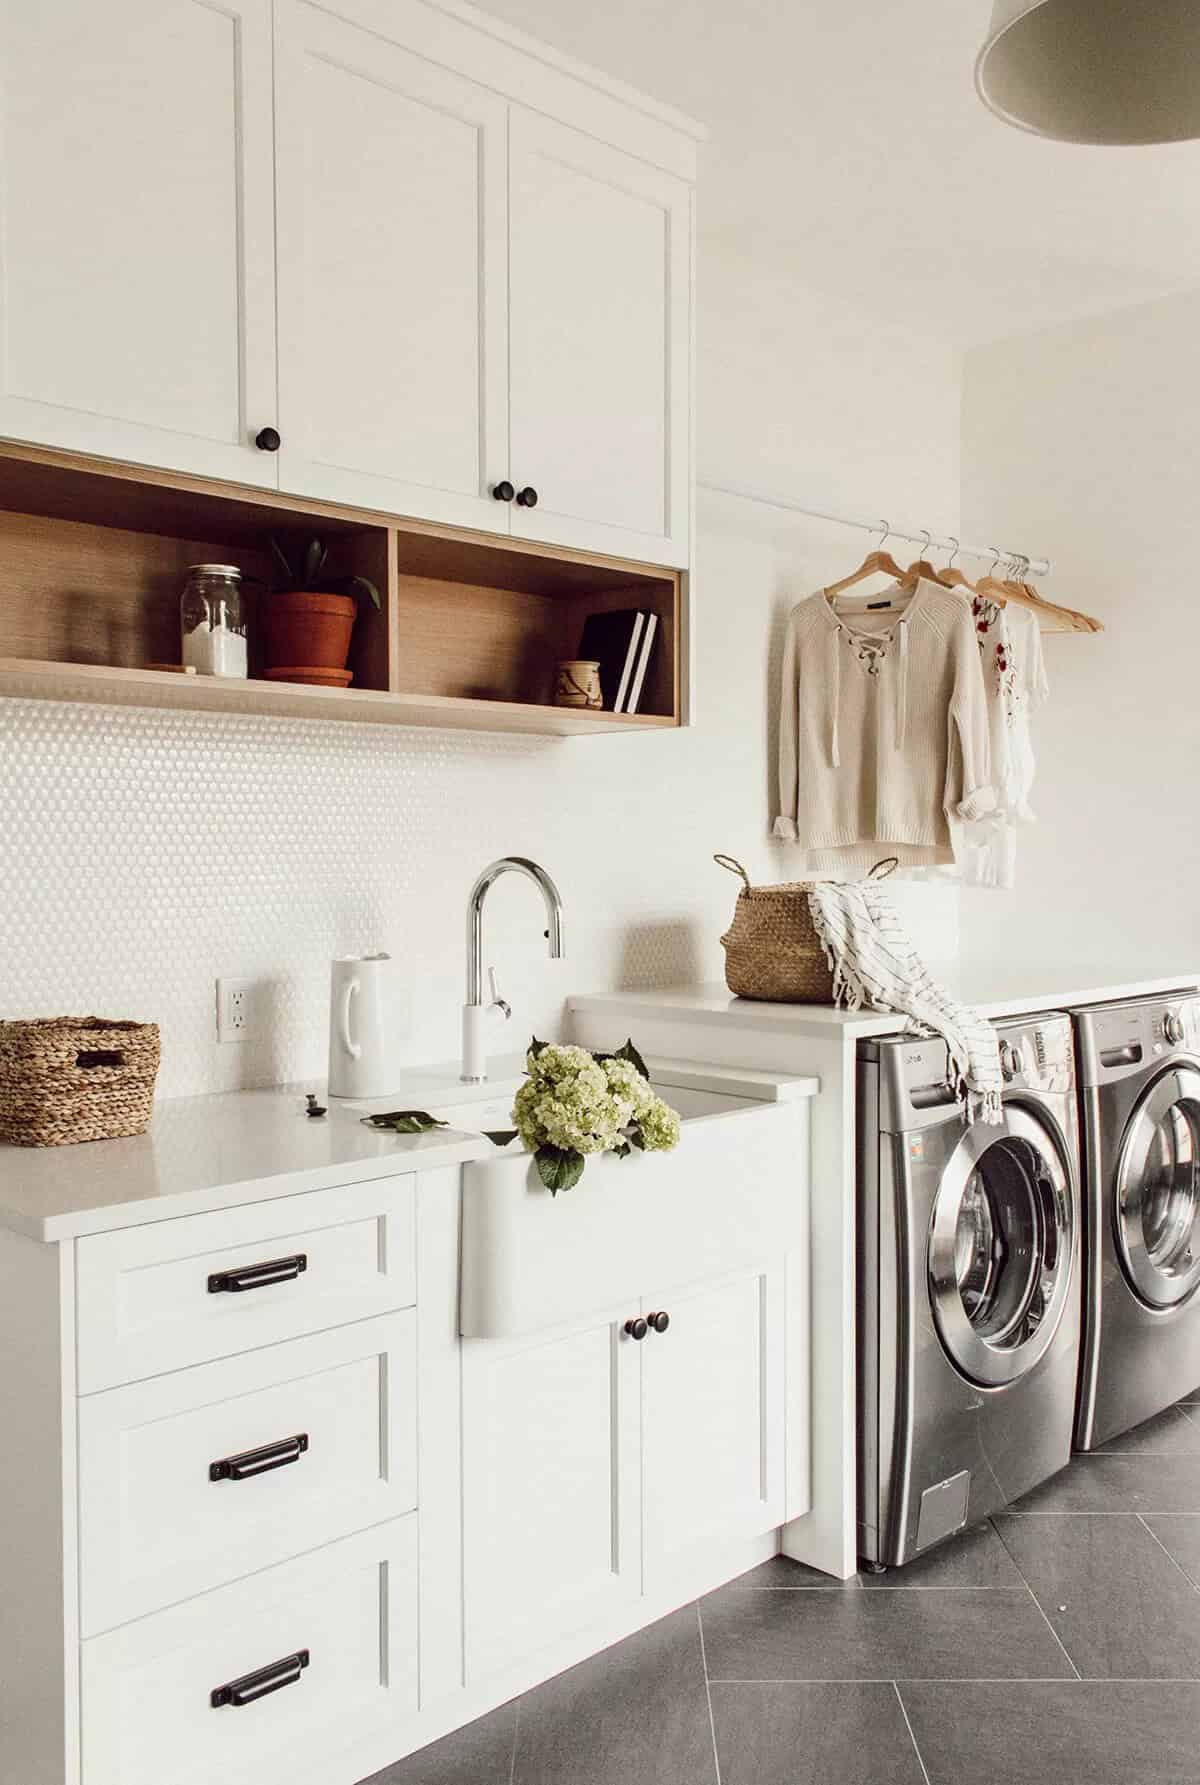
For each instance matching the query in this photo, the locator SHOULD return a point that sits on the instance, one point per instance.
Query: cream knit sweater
(883, 732)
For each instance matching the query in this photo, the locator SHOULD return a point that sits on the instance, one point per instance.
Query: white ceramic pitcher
(368, 1020)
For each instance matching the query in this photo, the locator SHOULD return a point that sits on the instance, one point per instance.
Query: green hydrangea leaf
(500, 1137)
(635, 1136)
(623, 1151)
(630, 1053)
(559, 1168)
(405, 1121)
(536, 1047)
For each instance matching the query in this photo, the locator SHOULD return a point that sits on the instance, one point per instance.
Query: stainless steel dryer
(1139, 1074)
(968, 1286)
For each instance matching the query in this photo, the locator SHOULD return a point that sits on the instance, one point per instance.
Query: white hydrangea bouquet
(575, 1103)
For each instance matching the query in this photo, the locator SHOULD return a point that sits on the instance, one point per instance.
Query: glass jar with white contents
(212, 617)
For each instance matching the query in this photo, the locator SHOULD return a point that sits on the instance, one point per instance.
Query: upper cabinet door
(392, 293)
(600, 344)
(137, 274)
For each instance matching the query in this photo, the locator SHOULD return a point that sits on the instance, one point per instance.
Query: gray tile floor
(1060, 1642)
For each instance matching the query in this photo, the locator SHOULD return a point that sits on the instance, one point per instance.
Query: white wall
(141, 854)
(1082, 441)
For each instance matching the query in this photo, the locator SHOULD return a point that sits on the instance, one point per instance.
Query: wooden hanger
(880, 562)
(922, 567)
(1052, 617)
(991, 587)
(1021, 593)
(953, 577)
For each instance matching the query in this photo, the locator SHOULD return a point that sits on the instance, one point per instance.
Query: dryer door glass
(1158, 1191)
(1001, 1248)
(998, 1240)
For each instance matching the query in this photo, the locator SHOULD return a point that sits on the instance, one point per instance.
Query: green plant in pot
(307, 620)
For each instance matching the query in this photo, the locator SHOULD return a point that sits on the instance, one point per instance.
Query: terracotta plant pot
(305, 629)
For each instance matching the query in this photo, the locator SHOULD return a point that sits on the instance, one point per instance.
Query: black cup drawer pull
(257, 1276)
(253, 1686)
(258, 1462)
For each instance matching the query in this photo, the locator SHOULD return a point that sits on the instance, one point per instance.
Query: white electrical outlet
(241, 1011)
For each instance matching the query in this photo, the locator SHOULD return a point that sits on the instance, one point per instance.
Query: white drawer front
(148, 1717)
(144, 1299)
(156, 1528)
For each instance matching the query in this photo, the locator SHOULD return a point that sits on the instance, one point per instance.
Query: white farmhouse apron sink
(733, 1192)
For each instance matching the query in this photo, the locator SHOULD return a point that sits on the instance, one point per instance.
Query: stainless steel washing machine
(968, 1286)
(1139, 1076)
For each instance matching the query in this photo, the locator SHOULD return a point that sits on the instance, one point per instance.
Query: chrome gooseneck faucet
(475, 1011)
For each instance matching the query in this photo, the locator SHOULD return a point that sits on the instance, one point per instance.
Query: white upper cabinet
(392, 274)
(137, 279)
(354, 251)
(600, 294)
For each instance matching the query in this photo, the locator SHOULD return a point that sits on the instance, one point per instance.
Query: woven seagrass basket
(772, 950)
(71, 1078)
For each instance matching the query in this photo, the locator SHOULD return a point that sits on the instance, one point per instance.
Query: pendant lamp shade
(1095, 71)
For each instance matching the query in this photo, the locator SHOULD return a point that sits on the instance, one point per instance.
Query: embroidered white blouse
(1014, 672)
(883, 732)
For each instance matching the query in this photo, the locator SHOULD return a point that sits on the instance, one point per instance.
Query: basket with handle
(772, 949)
(73, 1078)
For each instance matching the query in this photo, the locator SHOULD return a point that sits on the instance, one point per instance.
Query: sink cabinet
(267, 1515)
(713, 1417)
(552, 1486)
(596, 1465)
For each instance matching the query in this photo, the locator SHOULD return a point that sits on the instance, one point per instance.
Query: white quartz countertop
(202, 1153)
(996, 992)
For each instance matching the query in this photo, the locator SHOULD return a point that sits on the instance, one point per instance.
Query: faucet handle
(498, 1003)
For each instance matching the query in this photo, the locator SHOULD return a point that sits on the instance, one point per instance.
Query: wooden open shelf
(93, 557)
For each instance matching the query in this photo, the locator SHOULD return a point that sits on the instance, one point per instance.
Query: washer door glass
(1157, 1208)
(1001, 1248)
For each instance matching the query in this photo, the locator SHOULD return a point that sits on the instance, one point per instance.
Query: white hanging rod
(1017, 560)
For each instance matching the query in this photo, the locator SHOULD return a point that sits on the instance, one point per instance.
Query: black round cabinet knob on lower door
(503, 491)
(637, 1328)
(267, 440)
(527, 498)
(660, 1321)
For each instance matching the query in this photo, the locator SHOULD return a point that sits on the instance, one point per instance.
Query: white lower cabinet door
(137, 238)
(599, 309)
(392, 272)
(713, 1417)
(261, 1680)
(197, 1478)
(551, 1463)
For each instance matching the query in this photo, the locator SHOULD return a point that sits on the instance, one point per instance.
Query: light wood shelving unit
(93, 556)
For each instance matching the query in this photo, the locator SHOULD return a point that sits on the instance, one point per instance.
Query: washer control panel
(915, 1075)
(1118, 1039)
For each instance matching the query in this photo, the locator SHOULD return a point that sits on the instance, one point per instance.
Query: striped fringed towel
(876, 966)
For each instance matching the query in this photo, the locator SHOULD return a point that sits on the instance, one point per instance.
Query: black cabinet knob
(527, 498)
(636, 1328)
(267, 440)
(503, 491)
(660, 1321)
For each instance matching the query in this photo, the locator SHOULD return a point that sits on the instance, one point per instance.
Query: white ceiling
(848, 146)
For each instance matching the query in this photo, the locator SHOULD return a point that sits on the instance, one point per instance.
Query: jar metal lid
(213, 570)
